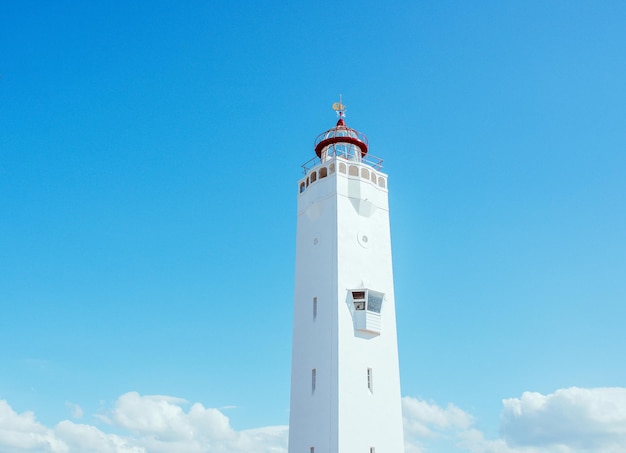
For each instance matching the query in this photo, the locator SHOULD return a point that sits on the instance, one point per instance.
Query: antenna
(339, 107)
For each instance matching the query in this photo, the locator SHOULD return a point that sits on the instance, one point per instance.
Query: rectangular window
(374, 301)
(370, 380)
(359, 300)
(314, 307)
(313, 379)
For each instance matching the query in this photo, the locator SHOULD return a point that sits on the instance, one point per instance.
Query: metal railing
(350, 153)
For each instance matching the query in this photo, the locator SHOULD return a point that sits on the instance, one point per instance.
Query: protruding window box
(366, 307)
(368, 322)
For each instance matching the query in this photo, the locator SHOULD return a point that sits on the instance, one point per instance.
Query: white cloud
(87, 438)
(75, 410)
(429, 420)
(574, 418)
(570, 420)
(153, 423)
(161, 425)
(22, 433)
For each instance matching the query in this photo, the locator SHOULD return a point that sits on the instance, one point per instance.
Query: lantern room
(341, 140)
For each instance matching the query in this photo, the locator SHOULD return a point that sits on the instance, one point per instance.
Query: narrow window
(313, 177)
(359, 300)
(365, 173)
(381, 182)
(307, 181)
(342, 168)
(370, 380)
(312, 449)
(372, 450)
(353, 170)
(314, 307)
(374, 177)
(323, 172)
(313, 379)
(301, 187)
(332, 168)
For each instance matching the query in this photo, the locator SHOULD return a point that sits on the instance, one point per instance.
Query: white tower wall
(343, 244)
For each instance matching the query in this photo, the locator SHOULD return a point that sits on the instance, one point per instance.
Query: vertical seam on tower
(333, 326)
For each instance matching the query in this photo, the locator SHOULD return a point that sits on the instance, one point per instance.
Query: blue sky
(149, 155)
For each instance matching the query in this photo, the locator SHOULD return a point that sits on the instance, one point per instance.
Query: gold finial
(339, 107)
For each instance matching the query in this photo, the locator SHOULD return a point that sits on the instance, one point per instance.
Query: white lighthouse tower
(345, 383)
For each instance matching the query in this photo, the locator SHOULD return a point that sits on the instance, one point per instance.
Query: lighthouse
(345, 382)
